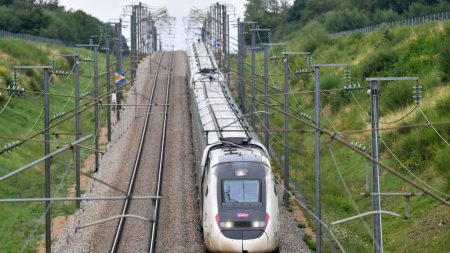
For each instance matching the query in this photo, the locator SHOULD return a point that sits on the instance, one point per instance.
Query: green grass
(402, 51)
(18, 220)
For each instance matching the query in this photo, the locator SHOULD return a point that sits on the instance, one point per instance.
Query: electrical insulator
(53, 63)
(347, 75)
(417, 93)
(309, 61)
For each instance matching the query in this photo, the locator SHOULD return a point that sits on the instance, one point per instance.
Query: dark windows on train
(241, 191)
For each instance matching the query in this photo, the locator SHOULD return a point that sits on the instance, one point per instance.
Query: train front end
(247, 209)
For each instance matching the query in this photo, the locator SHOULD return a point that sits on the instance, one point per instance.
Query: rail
(119, 228)
(161, 159)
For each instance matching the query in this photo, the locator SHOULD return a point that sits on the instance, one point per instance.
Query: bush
(346, 19)
(382, 60)
(442, 160)
(443, 106)
(315, 35)
(444, 59)
(395, 96)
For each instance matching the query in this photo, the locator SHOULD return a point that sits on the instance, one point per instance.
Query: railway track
(119, 243)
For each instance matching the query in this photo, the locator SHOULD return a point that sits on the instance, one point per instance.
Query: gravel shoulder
(178, 227)
(115, 169)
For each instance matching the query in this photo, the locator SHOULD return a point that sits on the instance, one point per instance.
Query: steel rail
(119, 229)
(161, 160)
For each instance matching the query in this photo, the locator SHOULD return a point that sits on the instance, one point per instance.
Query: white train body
(238, 202)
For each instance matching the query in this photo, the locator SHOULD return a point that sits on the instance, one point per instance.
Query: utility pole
(77, 127)
(227, 60)
(48, 217)
(96, 125)
(241, 70)
(317, 150)
(97, 158)
(253, 41)
(266, 97)
(133, 37)
(119, 66)
(108, 87)
(241, 57)
(252, 109)
(376, 204)
(286, 127)
(47, 187)
(286, 123)
(224, 37)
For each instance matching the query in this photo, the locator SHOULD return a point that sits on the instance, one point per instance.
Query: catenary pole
(376, 205)
(266, 97)
(317, 158)
(48, 217)
(77, 127)
(108, 87)
(286, 128)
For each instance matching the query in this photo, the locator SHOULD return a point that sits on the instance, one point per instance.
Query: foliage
(47, 19)
(351, 14)
(400, 51)
(444, 58)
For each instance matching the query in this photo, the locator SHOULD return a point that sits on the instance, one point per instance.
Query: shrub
(315, 35)
(442, 159)
(395, 96)
(382, 60)
(444, 59)
(443, 106)
(346, 19)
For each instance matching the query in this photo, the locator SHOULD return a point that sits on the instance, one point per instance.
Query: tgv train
(237, 194)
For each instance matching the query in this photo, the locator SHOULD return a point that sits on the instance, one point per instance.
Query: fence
(32, 38)
(404, 22)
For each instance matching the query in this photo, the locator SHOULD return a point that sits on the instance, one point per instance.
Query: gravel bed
(179, 224)
(115, 168)
(291, 236)
(136, 233)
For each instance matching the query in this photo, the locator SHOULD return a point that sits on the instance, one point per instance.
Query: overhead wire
(435, 130)
(396, 158)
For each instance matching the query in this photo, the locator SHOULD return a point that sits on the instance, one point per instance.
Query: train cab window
(206, 192)
(241, 191)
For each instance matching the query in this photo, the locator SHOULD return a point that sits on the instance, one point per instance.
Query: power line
(436, 131)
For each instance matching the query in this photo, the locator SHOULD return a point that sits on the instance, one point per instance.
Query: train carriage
(237, 194)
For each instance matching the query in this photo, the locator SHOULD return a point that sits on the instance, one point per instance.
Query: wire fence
(5, 34)
(404, 22)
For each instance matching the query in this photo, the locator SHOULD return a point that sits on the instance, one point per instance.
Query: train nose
(236, 245)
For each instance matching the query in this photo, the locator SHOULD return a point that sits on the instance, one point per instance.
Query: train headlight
(258, 224)
(226, 224)
(240, 172)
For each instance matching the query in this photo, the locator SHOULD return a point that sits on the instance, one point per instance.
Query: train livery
(237, 194)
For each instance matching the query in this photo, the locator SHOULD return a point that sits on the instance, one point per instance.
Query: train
(237, 194)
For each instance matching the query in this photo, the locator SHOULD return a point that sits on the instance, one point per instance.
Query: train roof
(201, 60)
(218, 113)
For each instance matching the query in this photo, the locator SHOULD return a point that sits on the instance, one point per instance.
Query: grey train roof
(219, 115)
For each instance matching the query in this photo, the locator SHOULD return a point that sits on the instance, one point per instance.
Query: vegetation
(49, 19)
(22, 224)
(421, 51)
(336, 15)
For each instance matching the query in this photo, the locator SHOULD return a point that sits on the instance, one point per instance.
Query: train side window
(206, 192)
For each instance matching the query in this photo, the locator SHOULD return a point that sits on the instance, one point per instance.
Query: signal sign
(119, 78)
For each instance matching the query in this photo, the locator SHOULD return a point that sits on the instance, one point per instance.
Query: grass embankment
(22, 224)
(421, 51)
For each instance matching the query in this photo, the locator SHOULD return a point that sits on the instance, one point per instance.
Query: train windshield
(241, 191)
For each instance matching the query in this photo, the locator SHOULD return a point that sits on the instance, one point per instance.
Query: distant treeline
(337, 15)
(47, 19)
